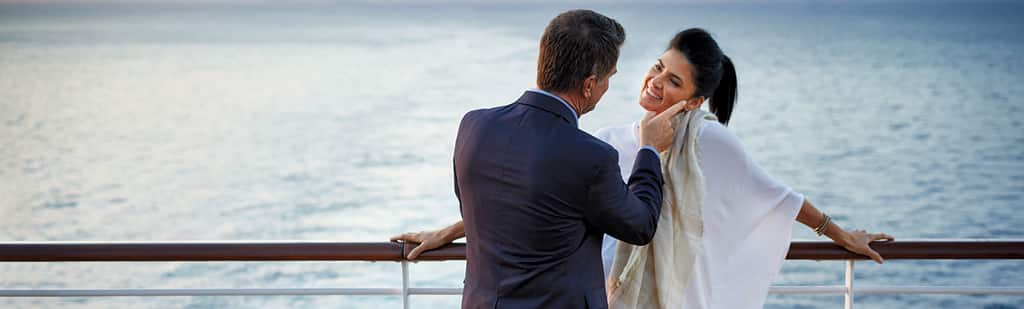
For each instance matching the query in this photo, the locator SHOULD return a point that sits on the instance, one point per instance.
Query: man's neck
(573, 102)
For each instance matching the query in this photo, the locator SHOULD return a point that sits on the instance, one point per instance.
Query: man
(537, 193)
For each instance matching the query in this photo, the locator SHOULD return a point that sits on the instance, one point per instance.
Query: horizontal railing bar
(778, 289)
(435, 291)
(806, 289)
(196, 292)
(959, 290)
(839, 289)
(390, 251)
(913, 250)
(198, 251)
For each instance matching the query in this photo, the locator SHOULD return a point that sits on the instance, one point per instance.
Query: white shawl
(653, 276)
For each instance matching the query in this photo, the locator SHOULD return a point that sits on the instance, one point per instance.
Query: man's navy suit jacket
(536, 195)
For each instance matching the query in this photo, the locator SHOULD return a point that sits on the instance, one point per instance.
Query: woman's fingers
(866, 243)
(862, 244)
(665, 115)
(671, 111)
(874, 255)
(882, 236)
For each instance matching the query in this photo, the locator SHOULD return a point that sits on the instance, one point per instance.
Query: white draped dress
(748, 218)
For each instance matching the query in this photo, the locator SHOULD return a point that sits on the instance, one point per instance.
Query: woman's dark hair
(575, 45)
(714, 74)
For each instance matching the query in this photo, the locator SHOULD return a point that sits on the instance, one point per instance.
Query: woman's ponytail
(724, 98)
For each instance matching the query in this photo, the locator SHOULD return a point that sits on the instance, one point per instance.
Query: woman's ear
(694, 103)
(588, 85)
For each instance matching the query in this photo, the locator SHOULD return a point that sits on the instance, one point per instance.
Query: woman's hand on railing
(429, 240)
(858, 241)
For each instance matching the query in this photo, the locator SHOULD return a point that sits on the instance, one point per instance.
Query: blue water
(331, 122)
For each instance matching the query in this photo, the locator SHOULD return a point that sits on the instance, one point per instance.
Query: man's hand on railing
(429, 240)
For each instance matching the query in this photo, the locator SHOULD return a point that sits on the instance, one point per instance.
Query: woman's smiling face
(669, 81)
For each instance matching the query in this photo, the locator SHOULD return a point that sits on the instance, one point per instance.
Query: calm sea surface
(152, 123)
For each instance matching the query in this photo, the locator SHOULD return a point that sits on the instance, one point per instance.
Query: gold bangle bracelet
(824, 224)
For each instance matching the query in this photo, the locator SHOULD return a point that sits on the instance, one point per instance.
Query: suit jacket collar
(549, 104)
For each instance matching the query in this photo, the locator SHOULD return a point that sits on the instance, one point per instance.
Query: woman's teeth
(652, 94)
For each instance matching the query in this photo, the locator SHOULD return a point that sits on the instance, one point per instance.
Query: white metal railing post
(405, 285)
(848, 302)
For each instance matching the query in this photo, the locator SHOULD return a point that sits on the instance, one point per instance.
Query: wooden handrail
(389, 251)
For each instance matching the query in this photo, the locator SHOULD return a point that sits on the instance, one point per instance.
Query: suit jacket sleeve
(455, 178)
(628, 212)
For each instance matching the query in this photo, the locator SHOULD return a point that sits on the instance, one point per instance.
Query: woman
(739, 229)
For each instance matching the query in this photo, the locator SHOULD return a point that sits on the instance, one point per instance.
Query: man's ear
(588, 85)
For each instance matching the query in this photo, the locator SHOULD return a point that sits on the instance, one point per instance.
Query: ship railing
(213, 251)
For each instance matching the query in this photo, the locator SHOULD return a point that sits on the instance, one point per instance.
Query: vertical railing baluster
(405, 285)
(848, 303)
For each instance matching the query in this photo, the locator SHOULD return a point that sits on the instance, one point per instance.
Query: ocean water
(337, 122)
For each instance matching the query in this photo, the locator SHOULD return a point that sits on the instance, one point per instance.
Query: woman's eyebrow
(666, 68)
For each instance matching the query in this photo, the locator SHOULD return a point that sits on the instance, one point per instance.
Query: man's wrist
(447, 234)
(452, 232)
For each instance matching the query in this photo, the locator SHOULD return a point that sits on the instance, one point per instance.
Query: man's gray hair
(575, 45)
